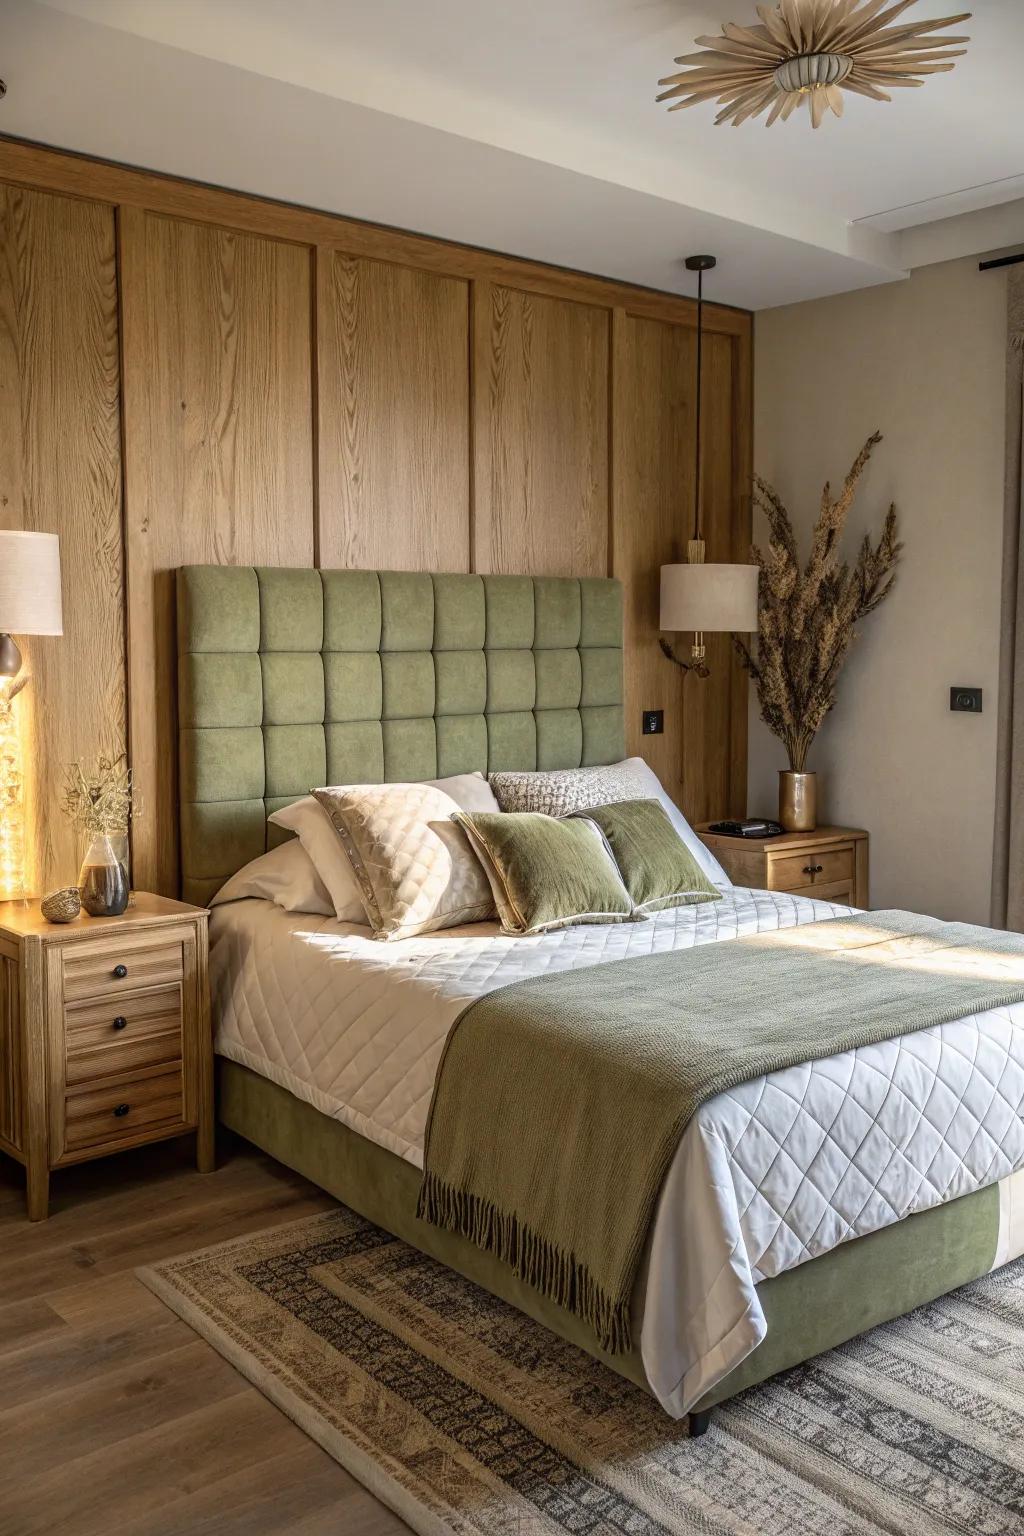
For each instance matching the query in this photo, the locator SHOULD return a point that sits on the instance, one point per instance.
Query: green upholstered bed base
(292, 679)
(809, 1309)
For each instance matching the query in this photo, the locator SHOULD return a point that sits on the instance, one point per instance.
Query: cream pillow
(287, 877)
(315, 830)
(415, 868)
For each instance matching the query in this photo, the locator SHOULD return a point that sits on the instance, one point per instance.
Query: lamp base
(10, 657)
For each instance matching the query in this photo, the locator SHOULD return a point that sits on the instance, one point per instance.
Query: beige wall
(923, 361)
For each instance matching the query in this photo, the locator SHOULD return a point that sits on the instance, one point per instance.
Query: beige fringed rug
(464, 1416)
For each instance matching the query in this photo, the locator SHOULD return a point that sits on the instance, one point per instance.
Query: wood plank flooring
(115, 1418)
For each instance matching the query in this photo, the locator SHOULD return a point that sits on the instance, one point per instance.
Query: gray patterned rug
(464, 1416)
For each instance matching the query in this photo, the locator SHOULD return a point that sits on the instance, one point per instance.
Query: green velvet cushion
(546, 873)
(657, 868)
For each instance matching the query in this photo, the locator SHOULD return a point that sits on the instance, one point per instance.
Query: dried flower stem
(807, 618)
(98, 798)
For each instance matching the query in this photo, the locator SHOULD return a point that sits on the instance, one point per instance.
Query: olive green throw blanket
(561, 1100)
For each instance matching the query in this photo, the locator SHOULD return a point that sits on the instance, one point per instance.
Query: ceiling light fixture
(811, 50)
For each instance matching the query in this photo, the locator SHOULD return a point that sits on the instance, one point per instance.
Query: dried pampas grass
(808, 617)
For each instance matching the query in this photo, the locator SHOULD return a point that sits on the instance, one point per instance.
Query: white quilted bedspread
(767, 1175)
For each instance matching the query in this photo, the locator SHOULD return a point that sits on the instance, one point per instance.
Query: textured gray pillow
(565, 790)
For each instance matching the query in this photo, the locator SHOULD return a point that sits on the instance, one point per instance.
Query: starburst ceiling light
(812, 50)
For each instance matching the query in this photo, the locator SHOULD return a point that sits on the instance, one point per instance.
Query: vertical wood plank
(216, 345)
(393, 361)
(701, 757)
(741, 417)
(653, 458)
(60, 473)
(541, 429)
(708, 769)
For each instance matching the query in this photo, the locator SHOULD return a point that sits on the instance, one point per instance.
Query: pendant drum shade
(709, 598)
(30, 584)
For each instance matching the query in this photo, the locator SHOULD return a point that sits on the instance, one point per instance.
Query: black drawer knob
(813, 869)
(120, 1022)
(120, 971)
(121, 1109)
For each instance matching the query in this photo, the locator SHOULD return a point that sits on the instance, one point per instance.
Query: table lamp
(30, 604)
(29, 592)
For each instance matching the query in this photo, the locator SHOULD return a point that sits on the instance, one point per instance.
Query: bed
(800, 1209)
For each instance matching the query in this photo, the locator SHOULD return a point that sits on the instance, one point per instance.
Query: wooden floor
(115, 1418)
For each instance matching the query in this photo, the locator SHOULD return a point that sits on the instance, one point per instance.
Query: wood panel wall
(273, 385)
(218, 455)
(393, 362)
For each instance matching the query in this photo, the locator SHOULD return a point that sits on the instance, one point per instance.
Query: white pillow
(286, 877)
(564, 790)
(315, 830)
(470, 791)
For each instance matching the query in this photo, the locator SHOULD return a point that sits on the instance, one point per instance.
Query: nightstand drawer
(122, 1034)
(96, 970)
(127, 1109)
(795, 871)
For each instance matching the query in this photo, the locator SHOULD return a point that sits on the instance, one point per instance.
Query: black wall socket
(654, 722)
(966, 700)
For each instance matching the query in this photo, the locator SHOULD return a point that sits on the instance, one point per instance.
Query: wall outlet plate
(965, 700)
(654, 722)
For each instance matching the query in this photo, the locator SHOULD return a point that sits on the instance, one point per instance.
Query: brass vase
(798, 801)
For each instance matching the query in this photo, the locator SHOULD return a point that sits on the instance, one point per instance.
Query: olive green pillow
(657, 868)
(544, 872)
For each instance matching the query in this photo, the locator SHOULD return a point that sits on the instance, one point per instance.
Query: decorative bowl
(61, 906)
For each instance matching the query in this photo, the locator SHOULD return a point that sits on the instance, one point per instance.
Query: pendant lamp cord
(700, 380)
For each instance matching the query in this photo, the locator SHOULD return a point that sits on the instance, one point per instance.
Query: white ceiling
(531, 126)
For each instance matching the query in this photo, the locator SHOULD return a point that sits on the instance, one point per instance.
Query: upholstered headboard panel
(289, 679)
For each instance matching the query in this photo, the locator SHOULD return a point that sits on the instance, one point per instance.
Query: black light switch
(654, 722)
(965, 700)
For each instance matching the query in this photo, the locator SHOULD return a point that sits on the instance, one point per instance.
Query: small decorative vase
(103, 881)
(798, 801)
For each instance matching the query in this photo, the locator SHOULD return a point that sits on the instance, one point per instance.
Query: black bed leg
(699, 1424)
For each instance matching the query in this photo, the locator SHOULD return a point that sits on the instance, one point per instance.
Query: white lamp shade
(709, 598)
(30, 584)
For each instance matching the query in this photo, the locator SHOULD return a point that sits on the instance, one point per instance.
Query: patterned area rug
(463, 1415)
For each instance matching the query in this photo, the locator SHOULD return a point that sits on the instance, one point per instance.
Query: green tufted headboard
(290, 679)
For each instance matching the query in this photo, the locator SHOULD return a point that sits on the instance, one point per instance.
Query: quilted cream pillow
(414, 866)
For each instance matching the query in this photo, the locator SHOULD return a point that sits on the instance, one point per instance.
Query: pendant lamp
(700, 598)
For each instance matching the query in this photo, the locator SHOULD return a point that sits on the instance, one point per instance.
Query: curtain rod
(1001, 261)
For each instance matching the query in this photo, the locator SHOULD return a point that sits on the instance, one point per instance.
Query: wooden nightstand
(830, 863)
(105, 1036)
